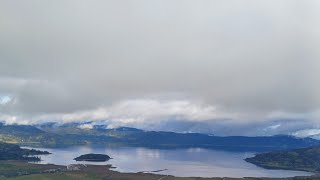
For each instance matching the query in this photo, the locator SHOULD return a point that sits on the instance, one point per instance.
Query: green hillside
(33, 136)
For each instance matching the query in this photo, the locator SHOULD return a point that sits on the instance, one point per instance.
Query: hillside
(159, 139)
(31, 135)
(71, 134)
(306, 159)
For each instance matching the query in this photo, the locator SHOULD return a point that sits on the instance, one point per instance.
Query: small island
(93, 157)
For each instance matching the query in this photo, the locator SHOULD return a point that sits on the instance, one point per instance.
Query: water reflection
(179, 162)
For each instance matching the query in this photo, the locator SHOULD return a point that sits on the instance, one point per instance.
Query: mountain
(305, 159)
(76, 134)
(159, 139)
(33, 136)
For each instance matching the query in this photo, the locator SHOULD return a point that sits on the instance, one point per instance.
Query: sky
(226, 67)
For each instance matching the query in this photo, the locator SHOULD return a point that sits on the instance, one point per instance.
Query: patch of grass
(18, 168)
(55, 176)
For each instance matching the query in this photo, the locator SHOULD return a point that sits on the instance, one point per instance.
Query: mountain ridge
(72, 134)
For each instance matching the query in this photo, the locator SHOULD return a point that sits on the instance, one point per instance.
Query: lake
(178, 162)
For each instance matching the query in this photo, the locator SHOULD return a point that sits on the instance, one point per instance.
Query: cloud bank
(181, 65)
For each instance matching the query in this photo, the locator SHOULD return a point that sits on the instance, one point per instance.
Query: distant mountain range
(52, 135)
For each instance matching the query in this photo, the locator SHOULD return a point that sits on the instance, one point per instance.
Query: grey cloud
(245, 57)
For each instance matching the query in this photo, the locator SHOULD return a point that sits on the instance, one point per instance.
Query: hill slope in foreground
(306, 159)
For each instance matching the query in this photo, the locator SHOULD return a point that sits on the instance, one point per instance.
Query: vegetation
(306, 159)
(154, 139)
(93, 157)
(33, 136)
(51, 135)
(22, 168)
(15, 170)
(14, 152)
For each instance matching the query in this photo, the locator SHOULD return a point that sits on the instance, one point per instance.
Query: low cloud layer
(181, 65)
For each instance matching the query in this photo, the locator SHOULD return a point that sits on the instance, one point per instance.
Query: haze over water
(178, 162)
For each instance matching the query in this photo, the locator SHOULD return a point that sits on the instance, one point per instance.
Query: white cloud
(307, 133)
(85, 126)
(130, 112)
(181, 115)
(272, 127)
(250, 62)
(5, 99)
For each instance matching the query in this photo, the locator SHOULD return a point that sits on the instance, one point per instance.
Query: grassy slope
(31, 135)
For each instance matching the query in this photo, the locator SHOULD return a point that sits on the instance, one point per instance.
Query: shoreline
(108, 172)
(190, 172)
(21, 169)
(156, 172)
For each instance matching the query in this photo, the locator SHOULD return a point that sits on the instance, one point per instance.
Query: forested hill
(306, 159)
(14, 152)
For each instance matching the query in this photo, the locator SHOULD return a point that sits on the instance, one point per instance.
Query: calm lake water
(178, 162)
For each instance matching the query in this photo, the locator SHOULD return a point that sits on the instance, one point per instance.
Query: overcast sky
(219, 66)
